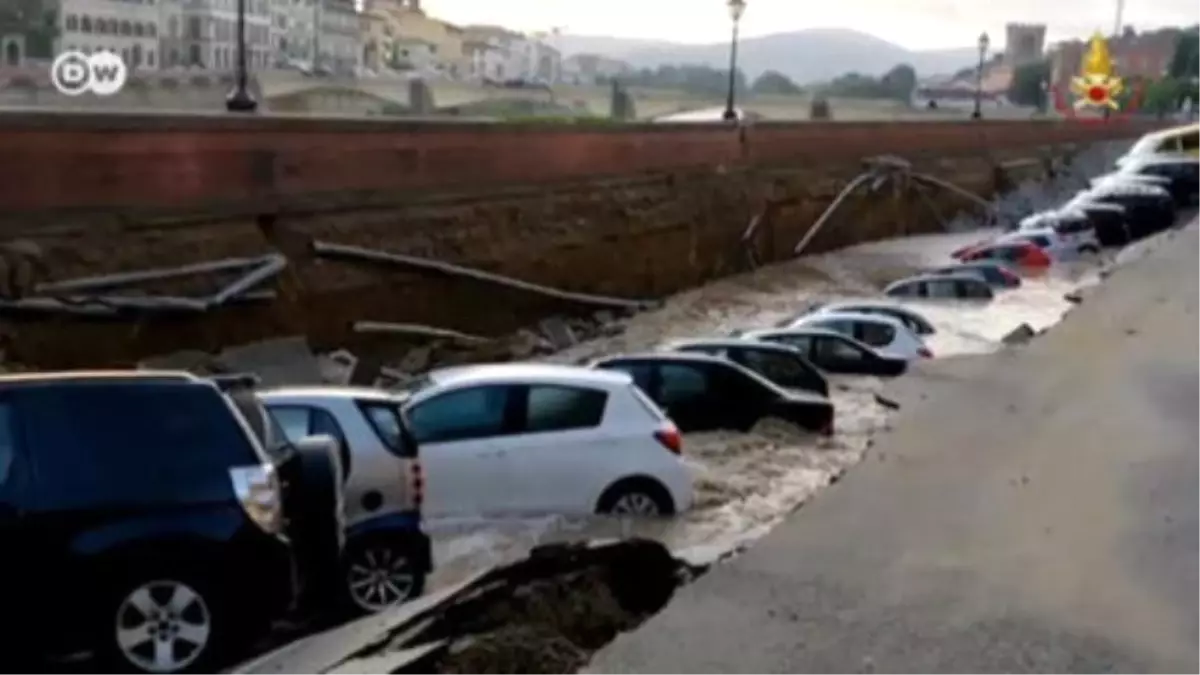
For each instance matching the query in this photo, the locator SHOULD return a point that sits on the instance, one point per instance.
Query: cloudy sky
(917, 24)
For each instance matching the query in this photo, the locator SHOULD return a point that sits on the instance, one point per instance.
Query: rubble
(1019, 335)
(558, 332)
(280, 361)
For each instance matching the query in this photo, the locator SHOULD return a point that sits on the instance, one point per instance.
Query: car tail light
(258, 491)
(670, 439)
(925, 353)
(417, 482)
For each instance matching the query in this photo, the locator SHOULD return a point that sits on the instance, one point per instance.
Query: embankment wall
(631, 211)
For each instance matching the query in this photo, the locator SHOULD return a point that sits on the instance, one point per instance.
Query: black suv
(143, 519)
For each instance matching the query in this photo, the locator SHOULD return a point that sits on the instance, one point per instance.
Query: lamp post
(983, 47)
(240, 99)
(736, 8)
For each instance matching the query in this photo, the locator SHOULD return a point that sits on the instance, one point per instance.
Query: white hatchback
(886, 334)
(530, 439)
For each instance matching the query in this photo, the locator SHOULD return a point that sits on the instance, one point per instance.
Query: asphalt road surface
(1032, 511)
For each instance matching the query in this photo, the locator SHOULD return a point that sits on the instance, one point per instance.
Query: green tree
(899, 83)
(1185, 62)
(1026, 86)
(774, 82)
(856, 85)
(690, 78)
(1167, 95)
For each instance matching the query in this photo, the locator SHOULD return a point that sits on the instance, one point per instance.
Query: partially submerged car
(834, 352)
(707, 393)
(780, 364)
(997, 275)
(960, 286)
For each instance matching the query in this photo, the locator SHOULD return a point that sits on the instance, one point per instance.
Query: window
(389, 427)
(875, 334)
(111, 26)
(138, 30)
(552, 408)
(12, 54)
(681, 383)
(782, 369)
(800, 342)
(298, 422)
(151, 30)
(150, 58)
(837, 325)
(1190, 141)
(642, 374)
(973, 289)
(101, 26)
(129, 444)
(941, 288)
(833, 348)
(126, 28)
(137, 56)
(72, 22)
(477, 412)
(8, 444)
(85, 24)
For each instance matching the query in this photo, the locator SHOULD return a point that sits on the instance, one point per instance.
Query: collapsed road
(1033, 511)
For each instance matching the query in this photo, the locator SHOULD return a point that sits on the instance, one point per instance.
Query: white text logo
(75, 73)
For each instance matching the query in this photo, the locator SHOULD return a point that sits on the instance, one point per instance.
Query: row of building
(1135, 55)
(339, 37)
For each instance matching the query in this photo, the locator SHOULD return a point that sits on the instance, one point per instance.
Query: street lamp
(240, 99)
(983, 47)
(736, 8)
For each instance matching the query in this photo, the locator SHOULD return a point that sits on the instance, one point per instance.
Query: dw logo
(75, 73)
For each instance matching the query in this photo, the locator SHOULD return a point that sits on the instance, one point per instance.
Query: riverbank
(1032, 510)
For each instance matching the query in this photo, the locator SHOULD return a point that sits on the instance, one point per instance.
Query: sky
(915, 24)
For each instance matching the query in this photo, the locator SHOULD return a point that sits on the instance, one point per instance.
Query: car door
(838, 355)
(563, 459)
(688, 394)
(465, 436)
(24, 555)
(785, 370)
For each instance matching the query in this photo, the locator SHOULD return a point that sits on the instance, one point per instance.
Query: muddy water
(746, 483)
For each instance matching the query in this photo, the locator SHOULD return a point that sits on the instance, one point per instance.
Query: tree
(899, 83)
(1185, 62)
(689, 78)
(774, 82)
(1026, 86)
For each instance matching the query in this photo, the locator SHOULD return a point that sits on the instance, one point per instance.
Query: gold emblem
(1097, 86)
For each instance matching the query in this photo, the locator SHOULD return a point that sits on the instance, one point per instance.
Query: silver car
(386, 552)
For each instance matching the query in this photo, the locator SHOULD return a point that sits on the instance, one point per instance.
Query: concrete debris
(190, 360)
(280, 361)
(1074, 297)
(559, 332)
(1019, 335)
(416, 360)
(525, 344)
(886, 402)
(337, 367)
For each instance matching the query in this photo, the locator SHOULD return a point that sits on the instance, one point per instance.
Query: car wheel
(641, 498)
(165, 624)
(379, 573)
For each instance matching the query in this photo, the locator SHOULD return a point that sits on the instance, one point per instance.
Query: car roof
(1149, 139)
(932, 277)
(524, 373)
(728, 343)
(809, 331)
(326, 392)
(1159, 159)
(862, 317)
(664, 356)
(75, 377)
(844, 306)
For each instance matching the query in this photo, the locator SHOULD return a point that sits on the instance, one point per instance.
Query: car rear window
(560, 408)
(386, 421)
(650, 406)
(133, 443)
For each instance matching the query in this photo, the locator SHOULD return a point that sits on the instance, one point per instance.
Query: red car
(1022, 253)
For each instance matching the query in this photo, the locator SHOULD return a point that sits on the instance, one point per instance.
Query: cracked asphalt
(1032, 511)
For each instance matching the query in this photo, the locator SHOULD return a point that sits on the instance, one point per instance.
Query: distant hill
(807, 56)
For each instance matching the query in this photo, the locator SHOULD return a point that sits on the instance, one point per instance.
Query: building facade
(202, 34)
(588, 69)
(338, 48)
(1135, 56)
(1025, 43)
(126, 27)
(293, 32)
(410, 24)
(28, 35)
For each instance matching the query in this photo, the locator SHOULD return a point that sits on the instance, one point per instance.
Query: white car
(916, 323)
(886, 334)
(527, 438)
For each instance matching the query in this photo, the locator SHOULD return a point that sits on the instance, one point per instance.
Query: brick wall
(54, 163)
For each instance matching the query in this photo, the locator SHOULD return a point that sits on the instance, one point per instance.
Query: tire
(378, 572)
(166, 623)
(639, 497)
(315, 513)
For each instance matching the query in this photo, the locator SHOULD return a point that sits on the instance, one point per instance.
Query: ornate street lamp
(736, 8)
(983, 47)
(240, 99)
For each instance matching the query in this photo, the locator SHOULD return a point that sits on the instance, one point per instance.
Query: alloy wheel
(379, 577)
(635, 504)
(163, 626)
